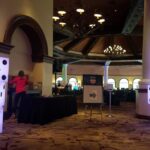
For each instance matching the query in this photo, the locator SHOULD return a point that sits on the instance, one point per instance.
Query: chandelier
(114, 50)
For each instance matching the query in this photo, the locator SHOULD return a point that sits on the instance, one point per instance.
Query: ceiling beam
(87, 48)
(72, 44)
(64, 31)
(132, 45)
(60, 41)
(134, 16)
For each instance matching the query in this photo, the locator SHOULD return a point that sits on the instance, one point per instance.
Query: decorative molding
(5, 48)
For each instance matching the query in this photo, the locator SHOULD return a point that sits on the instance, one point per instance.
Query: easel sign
(93, 92)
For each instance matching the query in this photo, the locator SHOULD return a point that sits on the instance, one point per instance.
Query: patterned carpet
(123, 131)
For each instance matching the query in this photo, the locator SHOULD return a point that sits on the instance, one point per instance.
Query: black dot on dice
(3, 77)
(4, 62)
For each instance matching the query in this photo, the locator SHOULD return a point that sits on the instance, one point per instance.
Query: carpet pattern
(123, 131)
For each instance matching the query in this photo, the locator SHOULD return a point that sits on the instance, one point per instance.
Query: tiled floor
(123, 131)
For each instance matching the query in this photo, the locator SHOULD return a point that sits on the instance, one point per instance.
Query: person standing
(20, 82)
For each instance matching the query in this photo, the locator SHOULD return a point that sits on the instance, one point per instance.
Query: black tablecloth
(41, 110)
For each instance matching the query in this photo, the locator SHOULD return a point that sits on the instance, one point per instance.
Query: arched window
(59, 81)
(136, 83)
(123, 84)
(73, 83)
(112, 81)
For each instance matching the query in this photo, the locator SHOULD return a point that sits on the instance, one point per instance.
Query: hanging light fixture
(62, 24)
(80, 10)
(101, 20)
(62, 12)
(92, 25)
(114, 50)
(97, 15)
(55, 18)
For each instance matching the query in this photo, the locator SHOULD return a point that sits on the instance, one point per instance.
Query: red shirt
(20, 83)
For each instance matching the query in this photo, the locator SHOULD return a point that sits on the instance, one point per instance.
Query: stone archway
(34, 33)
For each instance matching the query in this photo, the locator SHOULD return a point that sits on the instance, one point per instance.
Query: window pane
(59, 80)
(112, 81)
(73, 82)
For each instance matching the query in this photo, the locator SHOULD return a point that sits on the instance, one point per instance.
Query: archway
(34, 33)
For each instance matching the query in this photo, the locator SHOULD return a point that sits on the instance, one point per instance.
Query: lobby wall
(116, 72)
(20, 56)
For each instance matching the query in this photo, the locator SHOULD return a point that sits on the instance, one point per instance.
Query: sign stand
(109, 88)
(91, 111)
(109, 115)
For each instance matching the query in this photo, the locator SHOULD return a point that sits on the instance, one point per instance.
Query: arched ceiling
(77, 41)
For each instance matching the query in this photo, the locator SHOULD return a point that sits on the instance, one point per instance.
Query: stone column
(143, 97)
(42, 74)
(106, 67)
(146, 41)
(64, 73)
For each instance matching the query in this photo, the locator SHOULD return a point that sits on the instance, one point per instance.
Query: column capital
(107, 63)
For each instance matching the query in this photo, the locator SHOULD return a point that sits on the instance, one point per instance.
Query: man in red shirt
(20, 81)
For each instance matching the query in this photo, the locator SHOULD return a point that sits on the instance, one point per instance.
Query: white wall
(135, 70)
(20, 55)
(116, 72)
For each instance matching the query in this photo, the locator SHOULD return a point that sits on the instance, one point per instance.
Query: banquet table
(42, 110)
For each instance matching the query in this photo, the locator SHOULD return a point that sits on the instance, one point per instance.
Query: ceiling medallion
(114, 50)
